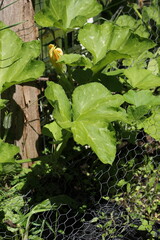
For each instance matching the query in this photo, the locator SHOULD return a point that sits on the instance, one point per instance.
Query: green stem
(42, 227)
(5, 135)
(138, 13)
(27, 228)
(21, 232)
(66, 42)
(62, 146)
(66, 51)
(33, 159)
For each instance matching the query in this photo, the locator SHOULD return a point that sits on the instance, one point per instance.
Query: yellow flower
(55, 54)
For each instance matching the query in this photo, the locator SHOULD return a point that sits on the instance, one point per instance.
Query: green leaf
(111, 56)
(151, 125)
(112, 73)
(136, 45)
(140, 61)
(3, 103)
(17, 62)
(151, 12)
(51, 204)
(75, 60)
(141, 78)
(136, 25)
(63, 199)
(141, 98)
(121, 183)
(98, 39)
(153, 66)
(67, 14)
(98, 136)
(53, 130)
(136, 113)
(45, 205)
(93, 101)
(62, 107)
(7, 152)
(94, 107)
(14, 203)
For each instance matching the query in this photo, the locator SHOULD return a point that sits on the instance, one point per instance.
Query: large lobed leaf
(94, 102)
(141, 78)
(17, 59)
(141, 98)
(151, 125)
(67, 14)
(137, 26)
(93, 109)
(98, 39)
(142, 102)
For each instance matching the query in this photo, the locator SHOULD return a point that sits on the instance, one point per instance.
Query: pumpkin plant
(85, 104)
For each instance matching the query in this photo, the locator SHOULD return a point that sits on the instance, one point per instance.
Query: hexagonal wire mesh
(117, 202)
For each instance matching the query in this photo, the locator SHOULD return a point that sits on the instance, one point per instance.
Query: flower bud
(55, 54)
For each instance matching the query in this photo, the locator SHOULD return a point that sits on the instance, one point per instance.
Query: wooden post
(26, 121)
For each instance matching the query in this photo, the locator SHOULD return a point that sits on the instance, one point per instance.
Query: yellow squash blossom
(55, 54)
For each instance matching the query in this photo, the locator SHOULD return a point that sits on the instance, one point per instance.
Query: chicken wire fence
(87, 199)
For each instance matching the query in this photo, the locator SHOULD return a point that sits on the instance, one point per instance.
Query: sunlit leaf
(53, 130)
(141, 98)
(7, 152)
(62, 107)
(76, 60)
(154, 66)
(94, 107)
(95, 103)
(140, 61)
(98, 136)
(67, 14)
(136, 113)
(98, 39)
(111, 56)
(141, 78)
(151, 12)
(136, 25)
(17, 59)
(151, 125)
